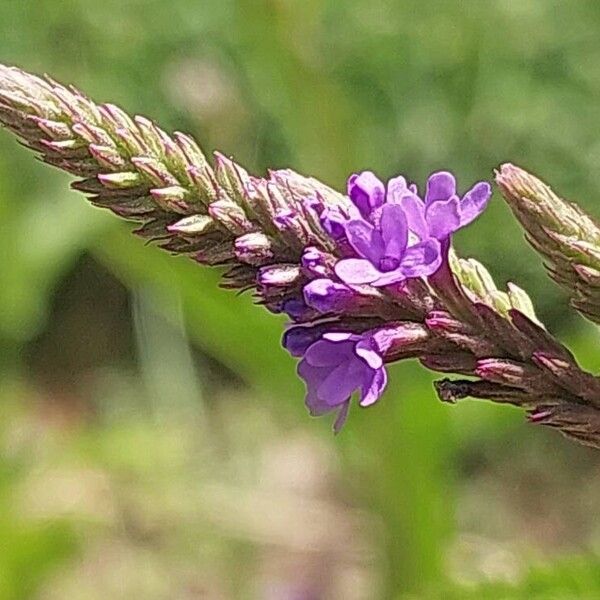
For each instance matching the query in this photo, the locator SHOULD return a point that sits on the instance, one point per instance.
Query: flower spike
(366, 279)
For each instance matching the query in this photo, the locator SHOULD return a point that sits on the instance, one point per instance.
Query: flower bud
(230, 215)
(278, 276)
(402, 340)
(327, 296)
(172, 199)
(193, 225)
(254, 249)
(231, 177)
(119, 181)
(108, 157)
(515, 374)
(155, 171)
(570, 376)
(54, 129)
(560, 231)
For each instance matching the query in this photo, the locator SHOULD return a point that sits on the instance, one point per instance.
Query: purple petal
(414, 209)
(296, 340)
(338, 386)
(367, 354)
(422, 259)
(395, 276)
(440, 186)
(372, 391)
(366, 191)
(443, 217)
(356, 271)
(312, 376)
(365, 240)
(340, 336)
(326, 354)
(394, 230)
(474, 202)
(334, 219)
(316, 406)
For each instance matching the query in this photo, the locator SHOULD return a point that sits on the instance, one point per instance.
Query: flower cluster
(367, 277)
(388, 235)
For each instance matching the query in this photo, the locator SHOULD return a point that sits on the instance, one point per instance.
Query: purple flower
(443, 212)
(384, 251)
(336, 366)
(439, 215)
(399, 234)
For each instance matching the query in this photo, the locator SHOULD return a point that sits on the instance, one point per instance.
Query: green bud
(520, 301)
(53, 129)
(108, 157)
(500, 301)
(150, 133)
(191, 150)
(93, 135)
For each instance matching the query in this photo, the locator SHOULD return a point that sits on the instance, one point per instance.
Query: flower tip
(507, 171)
(221, 159)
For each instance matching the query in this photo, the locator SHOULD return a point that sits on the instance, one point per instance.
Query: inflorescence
(366, 278)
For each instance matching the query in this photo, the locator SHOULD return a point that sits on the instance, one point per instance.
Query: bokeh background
(153, 439)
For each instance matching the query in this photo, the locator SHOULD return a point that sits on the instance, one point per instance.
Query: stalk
(269, 235)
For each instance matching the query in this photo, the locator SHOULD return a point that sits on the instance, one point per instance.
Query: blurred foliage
(178, 424)
(575, 578)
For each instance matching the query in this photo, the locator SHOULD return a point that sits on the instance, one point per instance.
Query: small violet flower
(443, 212)
(336, 366)
(385, 254)
(399, 235)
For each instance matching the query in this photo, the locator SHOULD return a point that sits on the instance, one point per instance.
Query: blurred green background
(153, 439)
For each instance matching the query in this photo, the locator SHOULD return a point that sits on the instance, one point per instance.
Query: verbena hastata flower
(335, 367)
(440, 214)
(399, 235)
(386, 255)
(289, 238)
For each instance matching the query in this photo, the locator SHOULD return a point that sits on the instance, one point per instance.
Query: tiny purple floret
(384, 254)
(442, 212)
(336, 366)
(400, 235)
